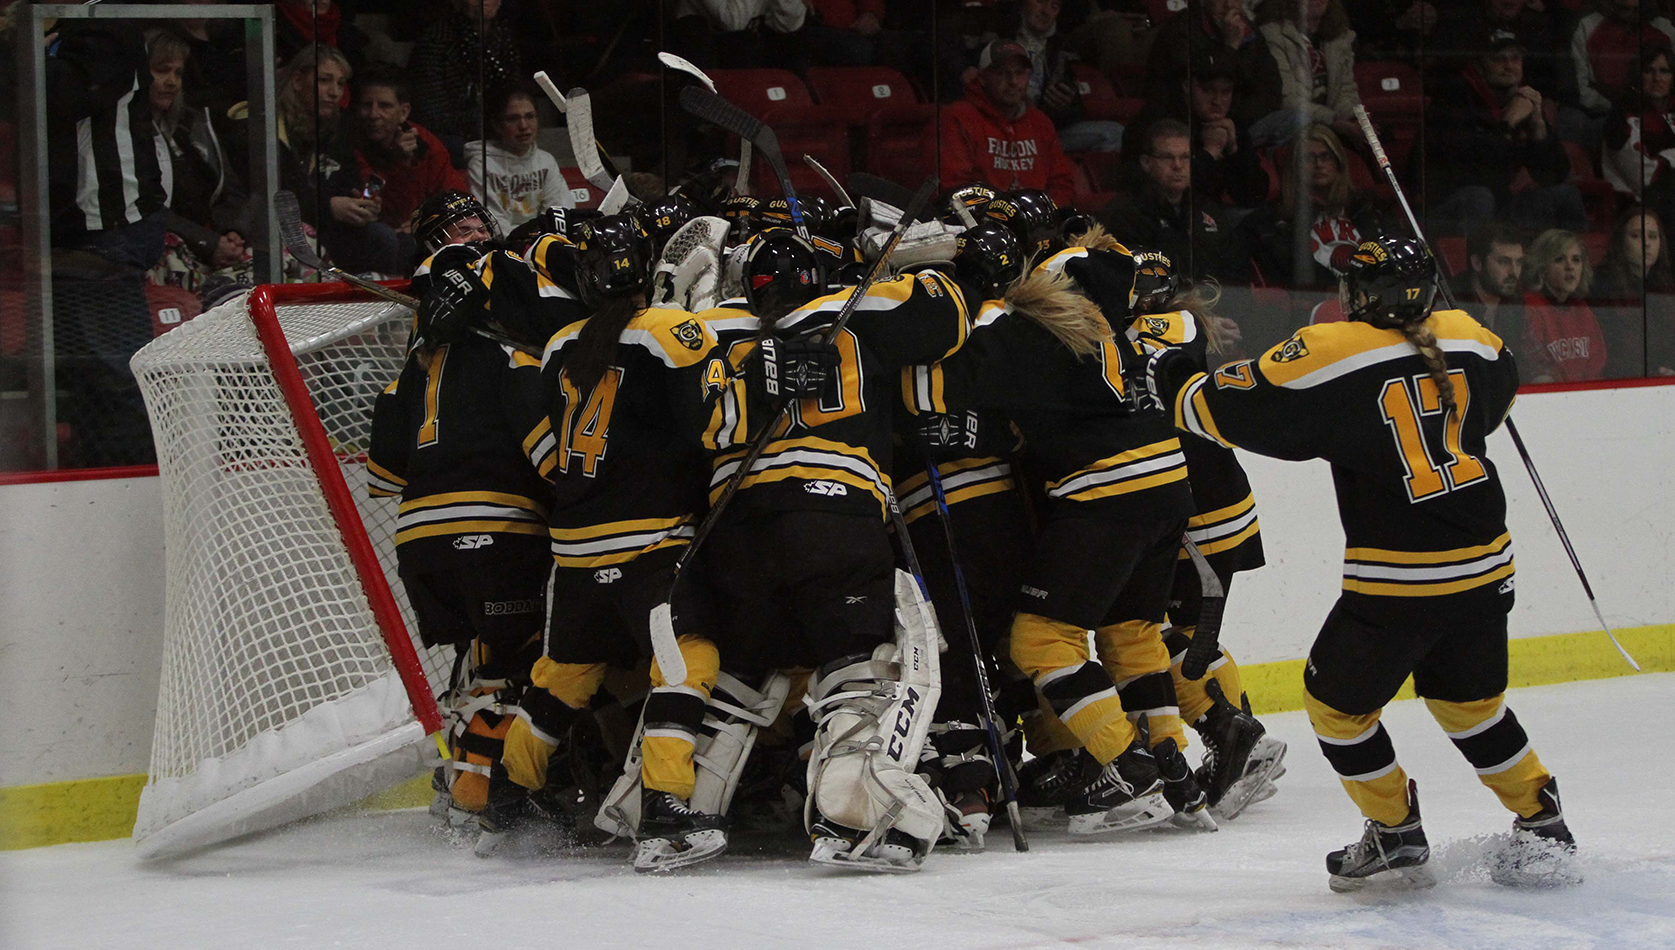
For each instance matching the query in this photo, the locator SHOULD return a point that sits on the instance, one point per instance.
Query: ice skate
(490, 827)
(1126, 795)
(1047, 782)
(1542, 852)
(893, 852)
(1239, 757)
(1386, 854)
(441, 800)
(969, 816)
(1181, 789)
(674, 835)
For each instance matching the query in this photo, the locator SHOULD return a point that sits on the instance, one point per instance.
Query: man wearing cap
(1225, 165)
(1483, 128)
(994, 137)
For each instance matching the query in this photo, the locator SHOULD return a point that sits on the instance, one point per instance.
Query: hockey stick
(868, 185)
(1212, 604)
(991, 731)
(713, 109)
(590, 158)
(830, 179)
(741, 177)
(291, 235)
(663, 643)
(616, 199)
(680, 64)
(1511, 427)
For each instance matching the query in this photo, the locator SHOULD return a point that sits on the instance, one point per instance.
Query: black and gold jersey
(1225, 526)
(1423, 512)
(533, 297)
(446, 438)
(624, 457)
(834, 452)
(1084, 435)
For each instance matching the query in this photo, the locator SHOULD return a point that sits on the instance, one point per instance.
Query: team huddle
(841, 510)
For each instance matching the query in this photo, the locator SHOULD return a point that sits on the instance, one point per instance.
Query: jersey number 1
(1403, 414)
(584, 432)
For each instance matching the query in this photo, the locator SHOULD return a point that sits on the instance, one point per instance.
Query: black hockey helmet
(1390, 282)
(988, 257)
(781, 273)
(1155, 283)
(1074, 225)
(841, 224)
(663, 217)
(776, 213)
(432, 224)
(973, 198)
(613, 258)
(740, 212)
(1032, 216)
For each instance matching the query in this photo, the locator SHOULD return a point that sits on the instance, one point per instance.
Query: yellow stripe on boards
(101, 809)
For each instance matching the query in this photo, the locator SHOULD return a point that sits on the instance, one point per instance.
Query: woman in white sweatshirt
(515, 178)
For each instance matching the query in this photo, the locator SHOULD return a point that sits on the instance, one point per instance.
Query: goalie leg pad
(872, 717)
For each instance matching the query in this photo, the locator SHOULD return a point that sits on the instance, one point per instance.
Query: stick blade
(670, 663)
(288, 212)
(711, 108)
(681, 64)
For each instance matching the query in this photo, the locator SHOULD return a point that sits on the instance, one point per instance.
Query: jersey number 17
(1405, 402)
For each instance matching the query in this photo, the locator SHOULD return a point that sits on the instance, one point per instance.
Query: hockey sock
(1194, 700)
(558, 690)
(1055, 655)
(1133, 655)
(1044, 733)
(673, 713)
(1489, 736)
(1360, 752)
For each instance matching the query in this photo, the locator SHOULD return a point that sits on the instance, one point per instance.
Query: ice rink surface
(377, 880)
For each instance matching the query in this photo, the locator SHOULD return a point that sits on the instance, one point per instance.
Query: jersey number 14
(584, 432)
(1406, 401)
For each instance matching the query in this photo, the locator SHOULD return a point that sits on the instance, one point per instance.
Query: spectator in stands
(852, 33)
(1225, 165)
(1396, 29)
(1315, 55)
(1563, 342)
(739, 34)
(1603, 50)
(216, 77)
(1341, 215)
(1464, 25)
(995, 137)
(1215, 36)
(465, 52)
(411, 163)
(1634, 297)
(516, 178)
(1483, 128)
(318, 163)
(1052, 88)
(1639, 139)
(298, 23)
(1490, 289)
(1160, 210)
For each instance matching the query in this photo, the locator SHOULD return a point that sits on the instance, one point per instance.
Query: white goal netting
(281, 692)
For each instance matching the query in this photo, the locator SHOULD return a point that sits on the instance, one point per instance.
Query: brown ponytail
(1420, 335)
(585, 365)
(1200, 298)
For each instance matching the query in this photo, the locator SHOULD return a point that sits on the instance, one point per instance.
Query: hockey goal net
(290, 683)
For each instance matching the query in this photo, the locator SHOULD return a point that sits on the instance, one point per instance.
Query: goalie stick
(292, 236)
(682, 65)
(1511, 427)
(985, 698)
(589, 156)
(830, 179)
(667, 651)
(882, 190)
(713, 109)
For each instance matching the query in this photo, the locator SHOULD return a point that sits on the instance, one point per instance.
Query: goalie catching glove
(456, 297)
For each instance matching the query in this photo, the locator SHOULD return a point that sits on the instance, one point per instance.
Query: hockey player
(629, 475)
(1400, 400)
(809, 578)
(1116, 502)
(1240, 760)
(446, 438)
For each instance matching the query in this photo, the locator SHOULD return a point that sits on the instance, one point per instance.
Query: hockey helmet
(781, 273)
(972, 199)
(436, 222)
(840, 225)
(776, 213)
(1032, 216)
(988, 257)
(1390, 282)
(613, 258)
(1155, 283)
(663, 217)
(740, 212)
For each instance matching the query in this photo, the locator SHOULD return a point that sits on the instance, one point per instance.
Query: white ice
(386, 880)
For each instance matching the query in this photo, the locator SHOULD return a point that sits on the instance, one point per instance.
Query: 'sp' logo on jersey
(690, 334)
(1294, 349)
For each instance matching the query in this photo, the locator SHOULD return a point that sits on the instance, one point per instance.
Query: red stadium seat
(780, 99)
(1099, 97)
(1104, 168)
(859, 91)
(582, 191)
(1390, 90)
(1598, 197)
(1160, 10)
(757, 91)
(1596, 243)
(1088, 197)
(1452, 250)
(895, 143)
(170, 307)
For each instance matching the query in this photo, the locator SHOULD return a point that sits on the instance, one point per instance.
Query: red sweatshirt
(1562, 340)
(979, 145)
(407, 186)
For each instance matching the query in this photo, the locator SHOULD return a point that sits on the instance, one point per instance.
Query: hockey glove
(1166, 372)
(457, 298)
(797, 367)
(946, 436)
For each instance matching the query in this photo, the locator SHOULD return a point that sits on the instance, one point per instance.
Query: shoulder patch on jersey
(690, 333)
(930, 283)
(1292, 349)
(1055, 264)
(1156, 326)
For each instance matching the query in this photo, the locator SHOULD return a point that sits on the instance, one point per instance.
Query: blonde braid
(1420, 335)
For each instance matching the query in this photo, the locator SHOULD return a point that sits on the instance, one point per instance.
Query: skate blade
(1411, 879)
(661, 854)
(1257, 784)
(833, 852)
(487, 843)
(1199, 820)
(1143, 812)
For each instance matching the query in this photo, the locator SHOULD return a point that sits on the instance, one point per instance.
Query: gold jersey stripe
(476, 497)
(631, 526)
(384, 473)
(919, 480)
(619, 557)
(1224, 544)
(1381, 555)
(809, 472)
(1426, 590)
(1123, 458)
(470, 527)
(1128, 487)
(1222, 514)
(956, 496)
